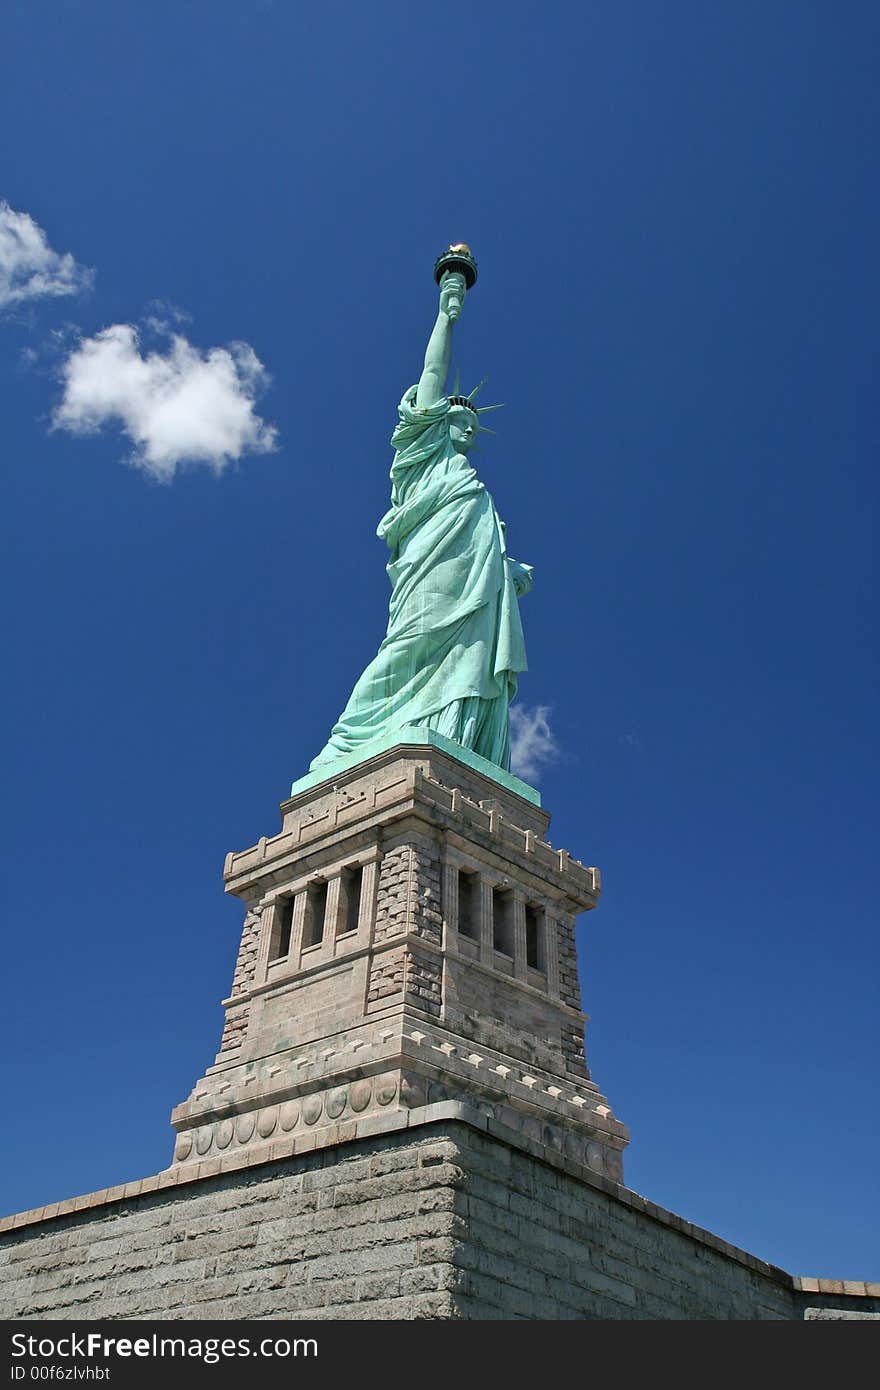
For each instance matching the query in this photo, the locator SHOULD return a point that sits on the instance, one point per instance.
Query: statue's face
(463, 426)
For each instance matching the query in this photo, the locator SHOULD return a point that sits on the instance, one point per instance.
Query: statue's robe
(454, 643)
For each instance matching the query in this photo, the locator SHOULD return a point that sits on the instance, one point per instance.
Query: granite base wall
(439, 1219)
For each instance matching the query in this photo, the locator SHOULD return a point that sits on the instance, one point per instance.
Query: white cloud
(532, 744)
(29, 268)
(180, 406)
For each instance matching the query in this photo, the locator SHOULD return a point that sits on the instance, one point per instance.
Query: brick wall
(236, 1021)
(569, 987)
(351, 1233)
(447, 1219)
(408, 897)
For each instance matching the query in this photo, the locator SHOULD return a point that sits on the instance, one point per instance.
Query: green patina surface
(415, 736)
(454, 644)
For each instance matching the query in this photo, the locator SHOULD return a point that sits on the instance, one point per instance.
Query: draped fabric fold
(454, 644)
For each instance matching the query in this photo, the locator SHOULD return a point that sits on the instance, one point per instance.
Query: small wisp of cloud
(29, 268)
(632, 740)
(160, 314)
(178, 405)
(532, 743)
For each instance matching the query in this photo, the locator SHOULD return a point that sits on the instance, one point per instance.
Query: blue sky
(676, 219)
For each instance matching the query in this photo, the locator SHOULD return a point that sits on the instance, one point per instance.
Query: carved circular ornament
(614, 1165)
(596, 1158)
(245, 1127)
(312, 1107)
(574, 1147)
(361, 1092)
(183, 1147)
(203, 1139)
(289, 1115)
(224, 1134)
(267, 1121)
(386, 1089)
(336, 1102)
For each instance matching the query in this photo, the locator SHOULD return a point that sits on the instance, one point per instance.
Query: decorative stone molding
(575, 1134)
(316, 815)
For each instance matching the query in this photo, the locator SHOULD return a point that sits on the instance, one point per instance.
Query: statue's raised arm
(432, 382)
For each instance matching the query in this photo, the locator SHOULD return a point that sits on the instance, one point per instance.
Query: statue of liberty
(454, 644)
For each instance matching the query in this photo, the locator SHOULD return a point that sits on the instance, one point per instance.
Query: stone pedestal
(409, 939)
